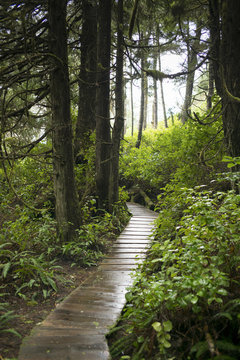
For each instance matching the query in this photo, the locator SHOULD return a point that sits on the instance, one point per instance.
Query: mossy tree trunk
(66, 206)
(230, 74)
(86, 121)
(103, 135)
(119, 108)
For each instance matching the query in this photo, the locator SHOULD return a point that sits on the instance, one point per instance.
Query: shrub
(187, 154)
(185, 303)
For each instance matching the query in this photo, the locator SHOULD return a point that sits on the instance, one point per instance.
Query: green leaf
(6, 268)
(157, 326)
(167, 325)
(52, 283)
(222, 292)
(166, 344)
(12, 331)
(194, 299)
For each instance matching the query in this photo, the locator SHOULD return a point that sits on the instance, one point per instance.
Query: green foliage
(6, 316)
(188, 282)
(28, 239)
(30, 179)
(231, 161)
(94, 236)
(186, 154)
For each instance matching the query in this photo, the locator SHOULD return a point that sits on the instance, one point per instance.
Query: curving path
(76, 329)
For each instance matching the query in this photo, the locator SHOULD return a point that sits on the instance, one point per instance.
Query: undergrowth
(185, 303)
(30, 251)
(190, 154)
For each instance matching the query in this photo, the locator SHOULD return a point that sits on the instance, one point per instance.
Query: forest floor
(30, 314)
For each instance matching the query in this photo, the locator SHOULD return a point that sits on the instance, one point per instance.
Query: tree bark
(230, 74)
(214, 27)
(66, 207)
(103, 136)
(162, 94)
(145, 100)
(142, 104)
(119, 117)
(86, 121)
(210, 84)
(132, 108)
(192, 62)
(155, 96)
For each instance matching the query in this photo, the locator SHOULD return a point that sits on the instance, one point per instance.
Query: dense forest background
(73, 150)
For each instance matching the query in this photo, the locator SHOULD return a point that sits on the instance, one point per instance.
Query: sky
(173, 91)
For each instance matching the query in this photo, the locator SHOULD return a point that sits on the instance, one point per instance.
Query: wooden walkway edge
(76, 329)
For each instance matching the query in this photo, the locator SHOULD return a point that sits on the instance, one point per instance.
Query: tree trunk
(230, 54)
(192, 62)
(86, 121)
(162, 94)
(155, 96)
(66, 206)
(132, 108)
(210, 84)
(145, 100)
(214, 27)
(142, 104)
(119, 107)
(103, 136)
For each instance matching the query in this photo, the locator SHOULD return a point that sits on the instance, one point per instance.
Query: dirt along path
(76, 329)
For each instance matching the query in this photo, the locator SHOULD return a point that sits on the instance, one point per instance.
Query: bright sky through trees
(174, 91)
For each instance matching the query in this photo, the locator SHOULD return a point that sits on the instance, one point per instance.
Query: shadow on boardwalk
(76, 329)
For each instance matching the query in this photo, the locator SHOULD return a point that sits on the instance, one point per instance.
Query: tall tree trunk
(210, 84)
(155, 95)
(132, 108)
(103, 136)
(162, 93)
(230, 54)
(145, 100)
(142, 105)
(192, 62)
(214, 27)
(119, 117)
(86, 121)
(66, 206)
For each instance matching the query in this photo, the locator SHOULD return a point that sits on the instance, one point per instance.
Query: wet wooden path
(76, 329)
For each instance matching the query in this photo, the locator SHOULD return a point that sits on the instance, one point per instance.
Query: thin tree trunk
(210, 85)
(192, 62)
(66, 206)
(103, 136)
(119, 118)
(214, 27)
(162, 94)
(155, 94)
(86, 121)
(145, 100)
(132, 108)
(142, 106)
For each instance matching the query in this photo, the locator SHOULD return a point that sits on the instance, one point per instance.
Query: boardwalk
(76, 329)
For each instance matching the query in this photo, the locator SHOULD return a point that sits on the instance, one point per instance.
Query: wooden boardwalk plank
(76, 329)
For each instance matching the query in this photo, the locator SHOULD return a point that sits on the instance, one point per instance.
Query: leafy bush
(185, 304)
(27, 245)
(95, 234)
(6, 316)
(188, 154)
